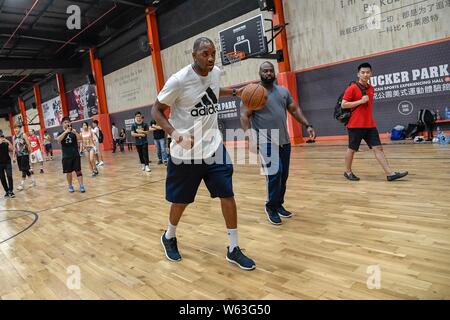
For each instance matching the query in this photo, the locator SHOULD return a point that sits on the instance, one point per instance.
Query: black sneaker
(351, 176)
(41, 171)
(397, 175)
(7, 195)
(283, 213)
(160, 162)
(273, 216)
(11, 194)
(170, 248)
(241, 260)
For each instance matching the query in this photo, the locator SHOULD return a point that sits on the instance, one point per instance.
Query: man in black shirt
(70, 155)
(160, 142)
(140, 130)
(5, 166)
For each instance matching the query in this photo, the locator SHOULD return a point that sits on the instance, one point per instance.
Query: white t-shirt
(194, 102)
(96, 133)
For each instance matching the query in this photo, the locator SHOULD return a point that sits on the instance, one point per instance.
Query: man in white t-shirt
(197, 151)
(98, 149)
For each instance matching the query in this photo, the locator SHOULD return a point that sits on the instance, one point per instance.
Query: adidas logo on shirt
(208, 105)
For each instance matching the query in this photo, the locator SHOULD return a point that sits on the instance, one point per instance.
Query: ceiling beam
(40, 15)
(12, 64)
(128, 3)
(40, 35)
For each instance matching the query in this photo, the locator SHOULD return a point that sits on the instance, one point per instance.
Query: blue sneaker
(170, 248)
(273, 216)
(82, 189)
(284, 213)
(241, 260)
(71, 189)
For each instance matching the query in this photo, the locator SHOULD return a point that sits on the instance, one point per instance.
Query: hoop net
(235, 56)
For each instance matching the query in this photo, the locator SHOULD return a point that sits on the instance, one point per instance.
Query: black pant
(143, 153)
(6, 169)
(115, 143)
(120, 145)
(23, 162)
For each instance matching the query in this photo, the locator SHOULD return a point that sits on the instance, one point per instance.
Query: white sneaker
(20, 187)
(147, 169)
(33, 183)
(143, 167)
(101, 163)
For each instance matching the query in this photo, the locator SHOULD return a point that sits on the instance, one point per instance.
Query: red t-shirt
(362, 115)
(34, 142)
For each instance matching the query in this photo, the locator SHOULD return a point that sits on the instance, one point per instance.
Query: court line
(101, 195)
(35, 214)
(36, 218)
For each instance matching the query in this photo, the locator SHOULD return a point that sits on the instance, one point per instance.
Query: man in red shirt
(36, 153)
(362, 125)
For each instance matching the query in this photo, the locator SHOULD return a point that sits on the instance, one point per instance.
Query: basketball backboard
(243, 40)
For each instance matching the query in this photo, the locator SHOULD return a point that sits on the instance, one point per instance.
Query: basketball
(254, 96)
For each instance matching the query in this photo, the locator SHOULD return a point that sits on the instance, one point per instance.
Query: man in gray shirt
(270, 123)
(115, 136)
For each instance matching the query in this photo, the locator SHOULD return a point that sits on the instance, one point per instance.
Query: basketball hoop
(234, 56)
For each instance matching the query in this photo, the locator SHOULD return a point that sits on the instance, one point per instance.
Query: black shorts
(71, 164)
(369, 135)
(23, 162)
(183, 179)
(48, 147)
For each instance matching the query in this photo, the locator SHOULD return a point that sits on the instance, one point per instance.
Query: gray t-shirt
(273, 115)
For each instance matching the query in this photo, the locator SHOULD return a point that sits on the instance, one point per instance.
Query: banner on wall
(229, 114)
(404, 82)
(52, 112)
(18, 119)
(82, 102)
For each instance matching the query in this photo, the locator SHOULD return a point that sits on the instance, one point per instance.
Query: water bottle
(445, 139)
(439, 134)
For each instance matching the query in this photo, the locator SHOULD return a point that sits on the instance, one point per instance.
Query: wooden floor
(112, 233)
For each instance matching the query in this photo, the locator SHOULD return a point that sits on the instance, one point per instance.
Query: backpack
(343, 115)
(398, 133)
(100, 136)
(426, 117)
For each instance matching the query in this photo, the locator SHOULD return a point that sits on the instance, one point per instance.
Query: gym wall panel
(49, 89)
(404, 81)
(4, 126)
(327, 31)
(125, 119)
(179, 55)
(131, 87)
(77, 77)
(33, 117)
(124, 55)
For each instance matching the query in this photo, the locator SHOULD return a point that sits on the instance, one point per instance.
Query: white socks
(170, 233)
(233, 237)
